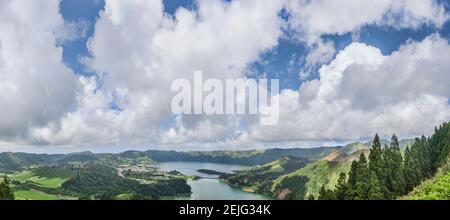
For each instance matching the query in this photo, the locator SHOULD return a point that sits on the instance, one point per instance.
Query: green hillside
(14, 162)
(250, 158)
(308, 180)
(34, 195)
(358, 146)
(95, 181)
(260, 178)
(39, 184)
(436, 189)
(104, 182)
(419, 171)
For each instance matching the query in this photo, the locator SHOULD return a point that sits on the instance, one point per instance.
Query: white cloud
(312, 19)
(361, 92)
(35, 87)
(71, 31)
(320, 52)
(138, 51)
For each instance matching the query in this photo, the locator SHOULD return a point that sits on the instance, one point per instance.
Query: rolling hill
(308, 180)
(260, 178)
(13, 162)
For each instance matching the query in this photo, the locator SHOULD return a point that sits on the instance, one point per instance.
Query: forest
(388, 173)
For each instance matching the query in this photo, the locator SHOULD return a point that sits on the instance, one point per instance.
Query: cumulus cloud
(361, 92)
(138, 51)
(35, 87)
(310, 20)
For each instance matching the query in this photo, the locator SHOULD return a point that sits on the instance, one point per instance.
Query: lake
(209, 187)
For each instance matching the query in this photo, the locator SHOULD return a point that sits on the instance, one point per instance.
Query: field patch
(34, 195)
(46, 182)
(30, 177)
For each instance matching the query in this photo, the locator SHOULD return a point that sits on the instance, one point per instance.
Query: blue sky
(283, 62)
(79, 10)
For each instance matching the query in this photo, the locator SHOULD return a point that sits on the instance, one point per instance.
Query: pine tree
(311, 197)
(424, 157)
(342, 191)
(396, 176)
(411, 170)
(352, 174)
(5, 190)
(326, 194)
(377, 166)
(375, 188)
(292, 196)
(388, 174)
(376, 162)
(362, 186)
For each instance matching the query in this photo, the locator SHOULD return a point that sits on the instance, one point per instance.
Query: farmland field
(41, 181)
(34, 195)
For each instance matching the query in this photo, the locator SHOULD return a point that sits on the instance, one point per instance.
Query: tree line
(389, 173)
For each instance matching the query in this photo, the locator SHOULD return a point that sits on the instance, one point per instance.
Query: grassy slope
(260, 178)
(34, 195)
(31, 177)
(436, 189)
(314, 175)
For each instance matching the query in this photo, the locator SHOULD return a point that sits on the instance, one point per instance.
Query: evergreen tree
(388, 166)
(411, 170)
(292, 196)
(377, 166)
(343, 190)
(5, 190)
(388, 174)
(423, 154)
(397, 181)
(326, 194)
(376, 162)
(375, 188)
(352, 174)
(311, 197)
(362, 186)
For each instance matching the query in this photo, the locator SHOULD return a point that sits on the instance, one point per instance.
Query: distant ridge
(10, 162)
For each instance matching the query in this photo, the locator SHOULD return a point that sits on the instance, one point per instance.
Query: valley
(284, 174)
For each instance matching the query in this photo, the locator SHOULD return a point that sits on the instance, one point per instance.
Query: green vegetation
(260, 178)
(105, 183)
(50, 183)
(435, 189)
(64, 171)
(22, 176)
(34, 195)
(389, 174)
(251, 158)
(46, 176)
(17, 162)
(92, 180)
(211, 172)
(308, 180)
(355, 171)
(5, 189)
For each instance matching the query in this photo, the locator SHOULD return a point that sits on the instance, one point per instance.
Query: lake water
(210, 187)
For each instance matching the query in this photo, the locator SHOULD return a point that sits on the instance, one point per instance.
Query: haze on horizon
(96, 75)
